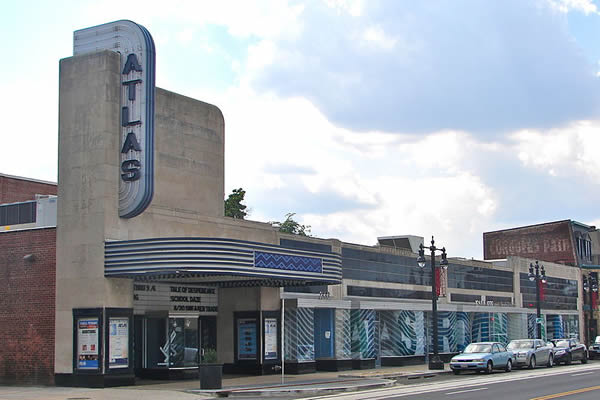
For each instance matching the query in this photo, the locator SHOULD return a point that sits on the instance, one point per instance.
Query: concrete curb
(309, 389)
(399, 375)
(312, 388)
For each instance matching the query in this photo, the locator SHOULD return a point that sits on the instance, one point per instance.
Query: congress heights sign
(138, 60)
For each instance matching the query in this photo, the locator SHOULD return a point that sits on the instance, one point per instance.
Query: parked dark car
(568, 350)
(594, 350)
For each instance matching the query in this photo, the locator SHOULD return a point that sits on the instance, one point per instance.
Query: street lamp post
(590, 286)
(434, 362)
(538, 276)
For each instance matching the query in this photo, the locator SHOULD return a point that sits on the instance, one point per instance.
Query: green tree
(292, 226)
(233, 204)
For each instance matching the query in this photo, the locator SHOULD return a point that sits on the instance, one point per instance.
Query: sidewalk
(319, 383)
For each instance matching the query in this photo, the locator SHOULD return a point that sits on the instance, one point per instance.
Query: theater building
(149, 274)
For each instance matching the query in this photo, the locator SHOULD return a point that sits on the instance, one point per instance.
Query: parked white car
(531, 352)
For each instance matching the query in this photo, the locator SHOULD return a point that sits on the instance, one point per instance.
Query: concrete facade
(188, 196)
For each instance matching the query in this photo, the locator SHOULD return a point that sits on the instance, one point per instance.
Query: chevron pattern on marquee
(287, 262)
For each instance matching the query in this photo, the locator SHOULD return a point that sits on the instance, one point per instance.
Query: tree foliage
(233, 204)
(292, 226)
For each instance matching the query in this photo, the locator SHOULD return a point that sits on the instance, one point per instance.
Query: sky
(365, 118)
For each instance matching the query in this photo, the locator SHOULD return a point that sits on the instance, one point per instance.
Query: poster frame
(271, 315)
(79, 313)
(125, 313)
(245, 315)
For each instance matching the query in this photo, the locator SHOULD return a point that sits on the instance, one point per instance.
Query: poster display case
(118, 339)
(88, 343)
(102, 341)
(87, 340)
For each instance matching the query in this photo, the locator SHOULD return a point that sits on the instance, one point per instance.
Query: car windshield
(561, 343)
(597, 341)
(520, 344)
(478, 348)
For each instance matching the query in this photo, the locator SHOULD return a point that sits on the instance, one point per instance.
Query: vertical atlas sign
(138, 59)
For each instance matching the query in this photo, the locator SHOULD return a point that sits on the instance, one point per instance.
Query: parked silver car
(594, 349)
(531, 352)
(484, 356)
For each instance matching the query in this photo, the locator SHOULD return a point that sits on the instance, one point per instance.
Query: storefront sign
(87, 343)
(138, 59)
(118, 344)
(247, 339)
(270, 338)
(548, 242)
(173, 297)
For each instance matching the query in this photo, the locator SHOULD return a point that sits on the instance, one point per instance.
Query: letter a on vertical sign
(138, 59)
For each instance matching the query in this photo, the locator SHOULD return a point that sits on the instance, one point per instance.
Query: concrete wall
(230, 301)
(188, 197)
(87, 188)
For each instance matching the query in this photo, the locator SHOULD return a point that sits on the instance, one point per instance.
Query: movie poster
(270, 338)
(118, 343)
(247, 339)
(88, 355)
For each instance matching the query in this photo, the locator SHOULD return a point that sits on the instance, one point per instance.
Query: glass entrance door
(171, 342)
(184, 342)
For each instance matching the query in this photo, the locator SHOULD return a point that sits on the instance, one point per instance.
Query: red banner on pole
(594, 300)
(438, 287)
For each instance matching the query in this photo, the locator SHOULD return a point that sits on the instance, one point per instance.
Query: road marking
(476, 381)
(465, 391)
(554, 396)
(583, 373)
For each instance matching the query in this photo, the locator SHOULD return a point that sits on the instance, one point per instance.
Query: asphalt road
(575, 382)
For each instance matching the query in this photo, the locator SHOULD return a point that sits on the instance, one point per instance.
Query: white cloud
(185, 36)
(568, 151)
(375, 35)
(351, 7)
(584, 6)
(402, 184)
(455, 209)
(262, 18)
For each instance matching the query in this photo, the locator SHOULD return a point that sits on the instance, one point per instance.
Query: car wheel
(508, 365)
(584, 359)
(489, 367)
(550, 362)
(531, 362)
(569, 360)
(456, 372)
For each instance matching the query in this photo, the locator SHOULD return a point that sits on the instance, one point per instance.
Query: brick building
(27, 287)
(15, 189)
